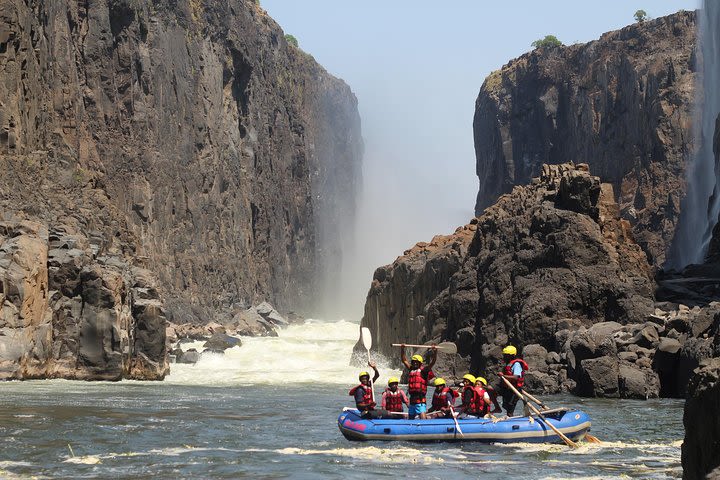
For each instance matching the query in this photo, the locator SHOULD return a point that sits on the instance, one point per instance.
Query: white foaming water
(316, 351)
(701, 205)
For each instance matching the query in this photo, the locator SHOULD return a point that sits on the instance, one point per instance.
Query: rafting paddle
(367, 343)
(564, 437)
(445, 347)
(588, 437)
(454, 415)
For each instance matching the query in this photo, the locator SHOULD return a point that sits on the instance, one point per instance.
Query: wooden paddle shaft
(414, 346)
(542, 405)
(565, 439)
(372, 389)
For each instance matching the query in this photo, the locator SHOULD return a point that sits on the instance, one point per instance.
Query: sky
(416, 68)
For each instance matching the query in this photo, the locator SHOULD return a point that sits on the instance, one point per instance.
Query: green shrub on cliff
(550, 41)
(640, 16)
(291, 40)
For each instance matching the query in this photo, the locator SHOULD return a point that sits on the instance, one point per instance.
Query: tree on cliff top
(640, 16)
(291, 40)
(549, 41)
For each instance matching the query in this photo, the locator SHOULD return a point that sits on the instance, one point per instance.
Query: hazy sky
(416, 68)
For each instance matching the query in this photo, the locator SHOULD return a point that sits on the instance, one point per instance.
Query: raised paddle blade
(366, 337)
(447, 347)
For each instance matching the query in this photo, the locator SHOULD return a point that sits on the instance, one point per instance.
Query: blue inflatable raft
(575, 424)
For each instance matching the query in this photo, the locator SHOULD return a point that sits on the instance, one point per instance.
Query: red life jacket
(417, 386)
(440, 400)
(393, 400)
(509, 367)
(367, 396)
(477, 405)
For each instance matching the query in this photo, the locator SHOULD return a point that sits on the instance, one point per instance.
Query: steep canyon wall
(228, 158)
(186, 140)
(622, 104)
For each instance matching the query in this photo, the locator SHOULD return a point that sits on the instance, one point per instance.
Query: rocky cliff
(71, 309)
(554, 270)
(188, 134)
(180, 153)
(622, 104)
(702, 423)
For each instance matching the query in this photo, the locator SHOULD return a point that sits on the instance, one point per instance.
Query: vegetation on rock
(550, 41)
(291, 40)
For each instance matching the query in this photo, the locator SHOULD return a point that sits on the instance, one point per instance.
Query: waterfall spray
(701, 205)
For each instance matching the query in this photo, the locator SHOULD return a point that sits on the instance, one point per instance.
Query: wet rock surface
(621, 103)
(702, 424)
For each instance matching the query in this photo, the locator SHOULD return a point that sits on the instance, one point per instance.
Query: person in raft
(482, 383)
(363, 394)
(442, 401)
(418, 379)
(393, 398)
(514, 372)
(475, 400)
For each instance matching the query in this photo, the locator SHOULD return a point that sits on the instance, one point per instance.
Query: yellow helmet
(509, 350)
(363, 374)
(481, 380)
(439, 381)
(469, 378)
(393, 380)
(417, 357)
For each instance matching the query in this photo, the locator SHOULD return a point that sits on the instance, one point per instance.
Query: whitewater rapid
(312, 352)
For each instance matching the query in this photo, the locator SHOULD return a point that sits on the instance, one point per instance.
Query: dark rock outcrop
(622, 104)
(219, 342)
(551, 266)
(72, 310)
(702, 422)
(188, 134)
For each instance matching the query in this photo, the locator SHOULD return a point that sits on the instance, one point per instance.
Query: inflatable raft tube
(573, 423)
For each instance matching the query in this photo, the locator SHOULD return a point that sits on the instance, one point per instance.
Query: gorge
(170, 137)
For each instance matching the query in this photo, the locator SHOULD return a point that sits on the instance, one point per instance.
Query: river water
(269, 409)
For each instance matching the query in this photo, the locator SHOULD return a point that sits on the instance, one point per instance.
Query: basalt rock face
(546, 261)
(702, 423)
(71, 309)
(188, 134)
(622, 104)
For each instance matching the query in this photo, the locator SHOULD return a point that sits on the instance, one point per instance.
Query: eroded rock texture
(71, 309)
(622, 104)
(190, 135)
(702, 423)
(548, 262)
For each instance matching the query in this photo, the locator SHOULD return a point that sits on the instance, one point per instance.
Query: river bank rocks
(702, 423)
(553, 269)
(73, 309)
(622, 103)
(222, 333)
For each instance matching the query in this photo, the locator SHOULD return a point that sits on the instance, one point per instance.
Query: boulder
(190, 356)
(598, 377)
(251, 324)
(540, 383)
(648, 337)
(638, 383)
(219, 342)
(702, 422)
(535, 355)
(269, 313)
